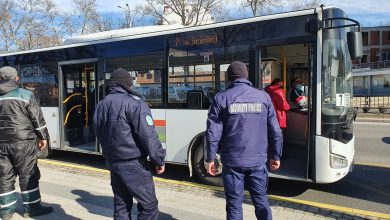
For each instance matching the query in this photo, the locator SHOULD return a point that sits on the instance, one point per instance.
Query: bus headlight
(338, 162)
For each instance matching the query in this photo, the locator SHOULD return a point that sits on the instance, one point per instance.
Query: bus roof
(151, 31)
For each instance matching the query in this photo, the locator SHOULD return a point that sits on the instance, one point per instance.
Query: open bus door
(78, 101)
(288, 62)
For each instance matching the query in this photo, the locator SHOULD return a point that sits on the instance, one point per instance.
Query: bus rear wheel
(201, 171)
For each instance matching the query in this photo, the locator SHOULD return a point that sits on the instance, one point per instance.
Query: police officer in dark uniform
(242, 123)
(22, 131)
(124, 127)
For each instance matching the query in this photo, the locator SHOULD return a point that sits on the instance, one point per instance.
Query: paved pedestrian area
(373, 116)
(84, 194)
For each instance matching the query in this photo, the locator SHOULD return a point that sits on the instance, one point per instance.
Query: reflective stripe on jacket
(21, 118)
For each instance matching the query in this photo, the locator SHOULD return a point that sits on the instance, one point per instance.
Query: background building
(372, 74)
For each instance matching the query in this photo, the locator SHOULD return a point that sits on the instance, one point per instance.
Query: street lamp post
(127, 12)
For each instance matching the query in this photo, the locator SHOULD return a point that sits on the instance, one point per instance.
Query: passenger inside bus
(297, 99)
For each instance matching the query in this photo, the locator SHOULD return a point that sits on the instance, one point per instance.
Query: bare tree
(264, 7)
(302, 4)
(51, 14)
(24, 26)
(29, 24)
(87, 13)
(9, 24)
(261, 7)
(189, 12)
(90, 21)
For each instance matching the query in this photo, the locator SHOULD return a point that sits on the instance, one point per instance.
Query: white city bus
(177, 70)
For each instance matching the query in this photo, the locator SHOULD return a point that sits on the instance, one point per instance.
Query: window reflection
(146, 72)
(42, 80)
(200, 69)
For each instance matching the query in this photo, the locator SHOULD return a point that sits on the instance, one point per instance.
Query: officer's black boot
(32, 204)
(7, 205)
(37, 211)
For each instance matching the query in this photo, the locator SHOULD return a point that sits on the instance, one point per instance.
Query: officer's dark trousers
(131, 179)
(256, 179)
(19, 160)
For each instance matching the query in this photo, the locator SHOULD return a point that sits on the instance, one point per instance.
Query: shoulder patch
(149, 120)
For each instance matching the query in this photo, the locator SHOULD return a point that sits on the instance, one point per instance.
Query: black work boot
(32, 203)
(37, 211)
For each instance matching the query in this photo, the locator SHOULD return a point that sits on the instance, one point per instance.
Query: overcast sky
(368, 12)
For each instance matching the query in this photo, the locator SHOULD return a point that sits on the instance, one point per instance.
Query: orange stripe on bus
(159, 123)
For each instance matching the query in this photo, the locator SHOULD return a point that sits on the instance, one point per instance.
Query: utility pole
(127, 11)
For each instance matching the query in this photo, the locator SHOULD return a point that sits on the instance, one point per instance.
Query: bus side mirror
(355, 45)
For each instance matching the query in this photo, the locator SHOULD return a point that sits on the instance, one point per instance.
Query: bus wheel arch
(196, 162)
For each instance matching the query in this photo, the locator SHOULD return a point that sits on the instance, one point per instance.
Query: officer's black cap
(237, 70)
(121, 75)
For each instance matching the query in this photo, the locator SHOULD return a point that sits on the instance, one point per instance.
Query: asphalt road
(366, 188)
(372, 143)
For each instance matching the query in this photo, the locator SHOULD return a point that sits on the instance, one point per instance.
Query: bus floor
(89, 147)
(293, 163)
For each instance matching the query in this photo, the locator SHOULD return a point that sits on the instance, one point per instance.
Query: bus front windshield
(336, 73)
(336, 85)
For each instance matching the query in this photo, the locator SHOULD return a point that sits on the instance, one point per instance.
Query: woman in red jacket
(276, 92)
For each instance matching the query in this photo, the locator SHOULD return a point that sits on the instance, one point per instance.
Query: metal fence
(382, 103)
(373, 65)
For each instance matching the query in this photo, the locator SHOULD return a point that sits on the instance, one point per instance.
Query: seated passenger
(297, 99)
(276, 92)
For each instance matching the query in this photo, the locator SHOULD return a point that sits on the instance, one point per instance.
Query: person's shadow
(103, 205)
(386, 140)
(98, 205)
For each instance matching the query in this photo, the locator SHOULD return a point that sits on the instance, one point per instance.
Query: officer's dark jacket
(21, 118)
(243, 123)
(124, 127)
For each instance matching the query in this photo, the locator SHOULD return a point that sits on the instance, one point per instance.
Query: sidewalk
(373, 116)
(83, 194)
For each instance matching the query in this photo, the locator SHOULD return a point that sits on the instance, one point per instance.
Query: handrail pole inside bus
(86, 95)
(67, 114)
(284, 70)
(67, 99)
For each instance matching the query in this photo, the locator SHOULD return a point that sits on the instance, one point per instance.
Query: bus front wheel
(201, 171)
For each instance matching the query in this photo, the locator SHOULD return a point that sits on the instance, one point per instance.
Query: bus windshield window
(336, 73)
(337, 84)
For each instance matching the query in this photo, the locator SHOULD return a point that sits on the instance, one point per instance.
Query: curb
(385, 120)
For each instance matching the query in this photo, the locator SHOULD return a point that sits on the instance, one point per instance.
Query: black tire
(198, 164)
(45, 153)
